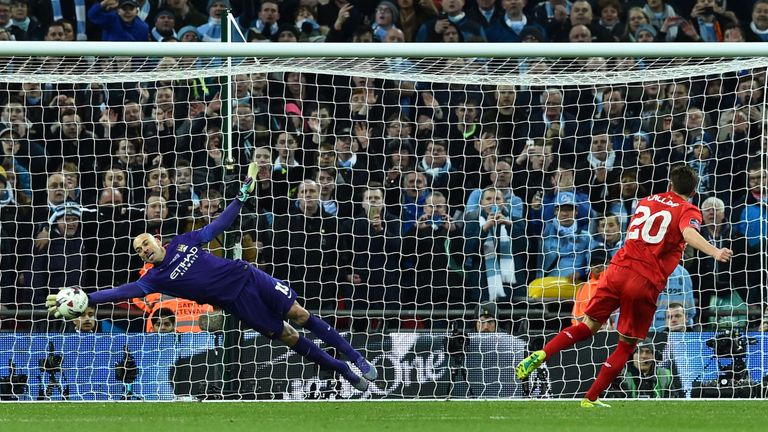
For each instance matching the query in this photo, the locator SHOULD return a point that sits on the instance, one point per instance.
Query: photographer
(644, 379)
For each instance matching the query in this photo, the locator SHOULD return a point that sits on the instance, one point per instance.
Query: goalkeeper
(186, 270)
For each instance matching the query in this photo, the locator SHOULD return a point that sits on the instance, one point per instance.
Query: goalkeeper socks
(330, 336)
(611, 369)
(567, 337)
(312, 352)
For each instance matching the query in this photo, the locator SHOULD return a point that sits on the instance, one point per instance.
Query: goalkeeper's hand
(50, 303)
(249, 184)
(245, 192)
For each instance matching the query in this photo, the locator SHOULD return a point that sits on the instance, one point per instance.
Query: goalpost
(102, 141)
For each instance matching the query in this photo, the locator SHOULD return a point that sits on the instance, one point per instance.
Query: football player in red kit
(657, 233)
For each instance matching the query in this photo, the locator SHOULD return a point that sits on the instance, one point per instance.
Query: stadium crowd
(384, 194)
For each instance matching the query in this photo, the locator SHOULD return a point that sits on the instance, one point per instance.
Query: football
(71, 302)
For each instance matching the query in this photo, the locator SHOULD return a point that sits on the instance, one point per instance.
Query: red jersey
(654, 242)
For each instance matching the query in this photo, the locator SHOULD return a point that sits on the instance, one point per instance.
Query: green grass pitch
(486, 416)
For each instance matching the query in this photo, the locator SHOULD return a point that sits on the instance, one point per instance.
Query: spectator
(644, 378)
(609, 235)
(21, 20)
(452, 12)
(676, 317)
(486, 12)
(645, 33)
(88, 323)
(211, 205)
(414, 192)
(431, 232)
(211, 31)
(508, 25)
(552, 12)
(679, 291)
(386, 16)
(188, 34)
(157, 220)
(486, 318)
(532, 168)
(565, 248)
(562, 181)
(758, 28)
(661, 14)
(186, 15)
(267, 22)
(501, 179)
(62, 263)
(635, 18)
(163, 321)
(580, 15)
(413, 13)
(335, 199)
(709, 20)
(712, 278)
(610, 17)
(119, 21)
(272, 187)
(375, 242)
(306, 248)
(165, 24)
(492, 239)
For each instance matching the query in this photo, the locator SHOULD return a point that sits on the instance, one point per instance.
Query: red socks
(611, 369)
(567, 337)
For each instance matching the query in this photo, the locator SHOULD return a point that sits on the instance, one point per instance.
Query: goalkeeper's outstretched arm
(228, 216)
(123, 292)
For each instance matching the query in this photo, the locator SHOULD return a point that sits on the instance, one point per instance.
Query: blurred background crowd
(380, 194)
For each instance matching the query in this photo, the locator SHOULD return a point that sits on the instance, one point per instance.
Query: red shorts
(621, 287)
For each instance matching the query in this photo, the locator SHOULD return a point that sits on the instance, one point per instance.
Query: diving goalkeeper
(184, 269)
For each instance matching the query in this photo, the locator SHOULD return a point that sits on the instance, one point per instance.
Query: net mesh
(377, 180)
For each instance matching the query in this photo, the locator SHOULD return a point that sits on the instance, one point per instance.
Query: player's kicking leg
(567, 337)
(312, 352)
(329, 335)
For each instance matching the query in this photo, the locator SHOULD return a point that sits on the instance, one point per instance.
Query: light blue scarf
(79, 13)
(497, 256)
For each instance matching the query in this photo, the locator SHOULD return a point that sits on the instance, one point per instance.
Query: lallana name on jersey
(663, 200)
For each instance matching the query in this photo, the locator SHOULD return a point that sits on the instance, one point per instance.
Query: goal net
(448, 215)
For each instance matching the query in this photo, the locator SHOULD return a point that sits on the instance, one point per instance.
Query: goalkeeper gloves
(246, 189)
(50, 303)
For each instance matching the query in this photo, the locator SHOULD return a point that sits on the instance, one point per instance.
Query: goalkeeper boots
(368, 370)
(597, 403)
(529, 364)
(357, 382)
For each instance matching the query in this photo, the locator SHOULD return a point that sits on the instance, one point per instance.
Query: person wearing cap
(565, 247)
(645, 33)
(62, 263)
(165, 23)
(487, 318)
(188, 34)
(563, 180)
(187, 15)
(211, 31)
(119, 21)
(513, 25)
(643, 378)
